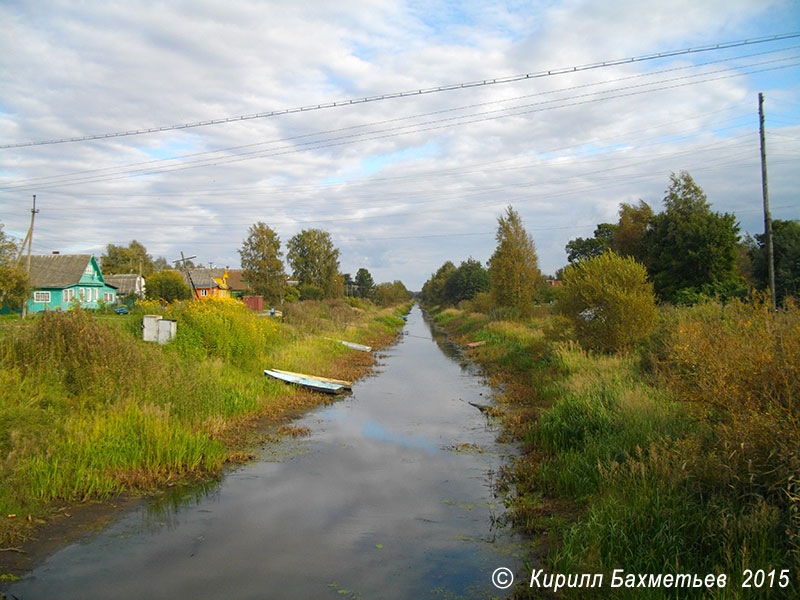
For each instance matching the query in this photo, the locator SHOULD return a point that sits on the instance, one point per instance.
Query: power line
(409, 117)
(418, 92)
(413, 128)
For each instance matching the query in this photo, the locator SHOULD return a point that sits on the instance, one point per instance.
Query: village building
(238, 286)
(59, 280)
(208, 283)
(126, 284)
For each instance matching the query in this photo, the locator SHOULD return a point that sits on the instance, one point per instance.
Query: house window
(68, 295)
(82, 294)
(41, 297)
(107, 297)
(204, 293)
(94, 294)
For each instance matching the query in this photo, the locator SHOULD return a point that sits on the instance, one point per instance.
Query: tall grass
(87, 409)
(683, 456)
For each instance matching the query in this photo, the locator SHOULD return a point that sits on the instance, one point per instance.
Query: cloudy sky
(401, 183)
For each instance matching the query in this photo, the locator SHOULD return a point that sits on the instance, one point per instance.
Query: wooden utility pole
(183, 260)
(29, 240)
(765, 194)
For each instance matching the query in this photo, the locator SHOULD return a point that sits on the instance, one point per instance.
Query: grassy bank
(89, 410)
(682, 456)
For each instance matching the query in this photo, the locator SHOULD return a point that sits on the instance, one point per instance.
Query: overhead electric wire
(422, 127)
(405, 118)
(416, 92)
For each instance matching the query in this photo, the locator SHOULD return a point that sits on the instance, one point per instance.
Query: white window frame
(108, 297)
(41, 297)
(68, 295)
(203, 293)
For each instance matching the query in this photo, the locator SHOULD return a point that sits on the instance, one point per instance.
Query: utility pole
(29, 239)
(183, 260)
(765, 194)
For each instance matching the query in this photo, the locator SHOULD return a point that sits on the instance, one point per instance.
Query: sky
(402, 182)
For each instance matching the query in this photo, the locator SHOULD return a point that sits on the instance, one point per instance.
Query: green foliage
(119, 259)
(603, 241)
(315, 261)
(513, 268)
(387, 294)
(433, 290)
(469, 279)
(291, 294)
(629, 237)
(690, 246)
(786, 251)
(167, 285)
(311, 292)
(14, 285)
(261, 260)
(609, 301)
(364, 283)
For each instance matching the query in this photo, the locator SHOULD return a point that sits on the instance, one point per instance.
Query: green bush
(609, 301)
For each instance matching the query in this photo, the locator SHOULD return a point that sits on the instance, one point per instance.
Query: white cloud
(565, 161)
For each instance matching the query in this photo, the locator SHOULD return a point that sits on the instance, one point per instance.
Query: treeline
(691, 252)
(687, 251)
(312, 260)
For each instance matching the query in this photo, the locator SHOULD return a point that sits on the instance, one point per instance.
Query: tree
(609, 301)
(315, 261)
(119, 259)
(387, 294)
(469, 279)
(167, 285)
(513, 268)
(603, 241)
(364, 283)
(261, 261)
(13, 280)
(433, 290)
(690, 248)
(786, 252)
(629, 237)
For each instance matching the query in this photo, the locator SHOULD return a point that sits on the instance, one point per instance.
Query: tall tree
(603, 241)
(786, 250)
(364, 283)
(690, 248)
(315, 261)
(261, 261)
(433, 289)
(513, 268)
(634, 221)
(121, 259)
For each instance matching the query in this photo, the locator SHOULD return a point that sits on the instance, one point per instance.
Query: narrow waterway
(389, 497)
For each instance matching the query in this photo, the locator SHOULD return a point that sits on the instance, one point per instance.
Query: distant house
(239, 287)
(127, 283)
(209, 283)
(60, 279)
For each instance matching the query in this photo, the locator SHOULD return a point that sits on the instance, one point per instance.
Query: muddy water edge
(390, 496)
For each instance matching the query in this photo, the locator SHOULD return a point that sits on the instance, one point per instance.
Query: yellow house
(209, 283)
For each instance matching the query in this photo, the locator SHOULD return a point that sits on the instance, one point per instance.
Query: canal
(390, 496)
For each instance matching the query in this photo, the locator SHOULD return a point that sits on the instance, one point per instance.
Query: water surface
(389, 497)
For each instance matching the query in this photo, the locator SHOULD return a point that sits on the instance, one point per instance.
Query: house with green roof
(59, 279)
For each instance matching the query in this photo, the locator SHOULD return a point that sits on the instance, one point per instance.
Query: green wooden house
(59, 279)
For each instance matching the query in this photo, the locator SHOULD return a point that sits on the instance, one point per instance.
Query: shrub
(609, 301)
